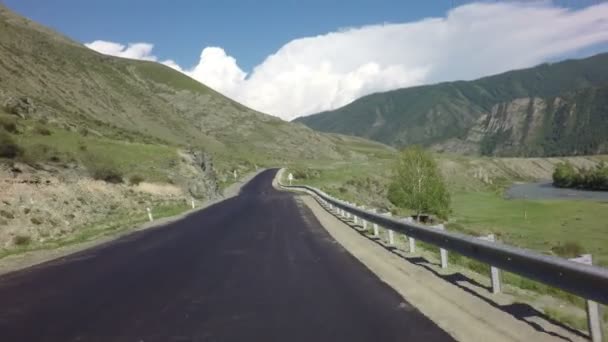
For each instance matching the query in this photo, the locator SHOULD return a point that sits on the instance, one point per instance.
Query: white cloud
(313, 74)
(133, 51)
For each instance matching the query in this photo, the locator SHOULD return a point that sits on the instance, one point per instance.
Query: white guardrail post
(494, 271)
(411, 241)
(363, 221)
(375, 225)
(593, 309)
(391, 234)
(443, 254)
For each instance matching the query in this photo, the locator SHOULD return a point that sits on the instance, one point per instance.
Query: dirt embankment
(36, 205)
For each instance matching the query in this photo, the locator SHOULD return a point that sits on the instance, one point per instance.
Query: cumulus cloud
(141, 51)
(133, 51)
(313, 74)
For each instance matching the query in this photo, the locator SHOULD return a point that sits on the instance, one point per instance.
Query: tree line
(566, 175)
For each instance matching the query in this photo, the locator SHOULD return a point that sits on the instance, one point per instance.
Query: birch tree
(417, 184)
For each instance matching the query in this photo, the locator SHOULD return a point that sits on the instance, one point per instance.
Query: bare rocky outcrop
(22, 106)
(204, 186)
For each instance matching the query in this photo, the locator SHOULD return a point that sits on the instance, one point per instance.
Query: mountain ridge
(430, 115)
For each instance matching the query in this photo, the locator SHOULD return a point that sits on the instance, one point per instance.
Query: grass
(165, 75)
(151, 161)
(547, 226)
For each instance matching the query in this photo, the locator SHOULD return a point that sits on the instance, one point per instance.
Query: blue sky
(247, 29)
(292, 58)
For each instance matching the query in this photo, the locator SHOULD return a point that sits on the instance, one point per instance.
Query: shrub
(8, 147)
(21, 240)
(107, 174)
(7, 214)
(39, 129)
(566, 176)
(40, 153)
(36, 220)
(568, 250)
(136, 179)
(9, 124)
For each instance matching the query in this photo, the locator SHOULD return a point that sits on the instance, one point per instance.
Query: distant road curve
(256, 267)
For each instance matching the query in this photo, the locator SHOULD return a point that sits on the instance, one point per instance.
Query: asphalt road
(257, 267)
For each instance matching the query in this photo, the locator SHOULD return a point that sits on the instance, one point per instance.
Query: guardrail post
(355, 218)
(363, 221)
(391, 234)
(442, 252)
(150, 214)
(593, 309)
(494, 271)
(411, 240)
(375, 225)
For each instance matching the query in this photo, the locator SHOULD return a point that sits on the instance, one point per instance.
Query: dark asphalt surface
(257, 267)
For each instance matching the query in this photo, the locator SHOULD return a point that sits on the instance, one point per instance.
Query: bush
(42, 130)
(8, 147)
(9, 124)
(36, 220)
(566, 176)
(21, 240)
(136, 179)
(107, 174)
(7, 214)
(568, 250)
(40, 153)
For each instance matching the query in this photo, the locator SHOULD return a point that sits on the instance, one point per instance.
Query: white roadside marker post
(150, 214)
(494, 271)
(442, 252)
(593, 309)
(192, 202)
(290, 178)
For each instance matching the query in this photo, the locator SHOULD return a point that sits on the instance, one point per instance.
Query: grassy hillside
(73, 87)
(88, 141)
(454, 115)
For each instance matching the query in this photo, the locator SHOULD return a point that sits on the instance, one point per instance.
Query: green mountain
(550, 109)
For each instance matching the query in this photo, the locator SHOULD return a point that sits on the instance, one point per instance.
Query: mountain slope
(444, 114)
(74, 86)
(88, 141)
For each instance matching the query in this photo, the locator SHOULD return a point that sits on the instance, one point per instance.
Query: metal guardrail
(587, 281)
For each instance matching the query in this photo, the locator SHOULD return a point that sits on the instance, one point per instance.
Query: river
(546, 190)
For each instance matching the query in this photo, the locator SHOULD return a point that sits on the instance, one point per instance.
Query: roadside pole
(150, 214)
